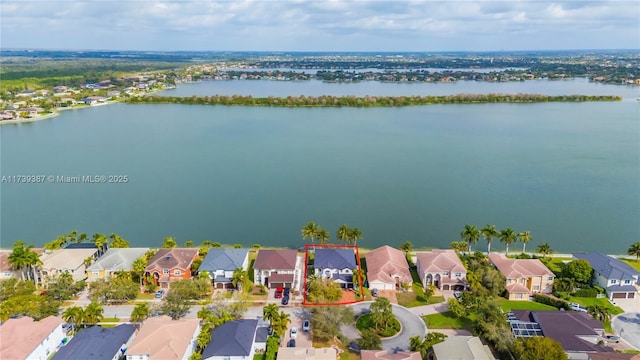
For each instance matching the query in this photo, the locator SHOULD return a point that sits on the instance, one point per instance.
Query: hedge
(560, 304)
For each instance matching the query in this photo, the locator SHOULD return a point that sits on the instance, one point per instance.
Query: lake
(568, 172)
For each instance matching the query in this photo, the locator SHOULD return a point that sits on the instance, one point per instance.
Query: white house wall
(49, 345)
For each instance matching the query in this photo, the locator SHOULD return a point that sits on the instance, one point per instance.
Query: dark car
(374, 292)
(286, 292)
(285, 300)
(292, 343)
(159, 294)
(278, 293)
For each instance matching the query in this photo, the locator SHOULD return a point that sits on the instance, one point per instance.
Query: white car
(294, 333)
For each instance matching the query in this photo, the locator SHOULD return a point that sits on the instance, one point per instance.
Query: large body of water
(568, 172)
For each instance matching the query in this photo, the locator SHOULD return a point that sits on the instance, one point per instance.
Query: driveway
(412, 325)
(627, 326)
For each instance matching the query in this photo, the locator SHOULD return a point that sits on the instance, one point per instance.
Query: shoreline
(55, 113)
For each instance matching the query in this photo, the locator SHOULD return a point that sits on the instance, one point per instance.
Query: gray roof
(234, 338)
(335, 259)
(117, 259)
(607, 266)
(262, 333)
(96, 343)
(621, 288)
(84, 245)
(223, 259)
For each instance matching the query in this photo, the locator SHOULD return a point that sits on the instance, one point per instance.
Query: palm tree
(459, 246)
(471, 234)
(73, 315)
(544, 249)
(323, 236)
(33, 261)
(140, 313)
(279, 324)
(309, 231)
(358, 276)
(507, 236)
(204, 337)
(207, 243)
(525, 237)
(634, 249)
(270, 312)
(239, 278)
(92, 314)
(407, 247)
(354, 235)
(343, 233)
(169, 242)
(599, 312)
(489, 232)
(188, 243)
(19, 259)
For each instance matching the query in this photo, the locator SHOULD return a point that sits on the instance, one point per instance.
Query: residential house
(309, 353)
(442, 269)
(337, 264)
(6, 271)
(98, 343)
(24, 338)
(387, 268)
(274, 268)
(171, 264)
(113, 93)
(577, 332)
(72, 261)
(7, 115)
(113, 261)
(233, 340)
(525, 277)
(29, 112)
(161, 338)
(220, 265)
(612, 356)
(617, 278)
(462, 348)
(94, 100)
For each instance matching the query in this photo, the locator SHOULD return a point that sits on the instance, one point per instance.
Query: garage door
(279, 284)
(631, 295)
(619, 295)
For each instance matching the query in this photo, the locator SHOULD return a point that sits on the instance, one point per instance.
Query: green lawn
(146, 296)
(615, 310)
(634, 264)
(416, 298)
(258, 357)
(446, 320)
(110, 320)
(555, 264)
(507, 305)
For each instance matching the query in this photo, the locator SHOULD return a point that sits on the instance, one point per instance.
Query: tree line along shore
(365, 101)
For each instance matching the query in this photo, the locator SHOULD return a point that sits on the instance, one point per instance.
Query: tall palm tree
(406, 247)
(309, 231)
(343, 233)
(73, 315)
(93, 314)
(634, 249)
(358, 275)
(323, 236)
(19, 259)
(270, 312)
(354, 235)
(508, 237)
(279, 324)
(525, 237)
(140, 313)
(471, 235)
(33, 262)
(489, 232)
(544, 249)
(204, 337)
(239, 278)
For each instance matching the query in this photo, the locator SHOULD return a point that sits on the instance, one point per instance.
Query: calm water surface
(570, 173)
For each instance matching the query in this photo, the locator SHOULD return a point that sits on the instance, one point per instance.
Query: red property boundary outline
(306, 262)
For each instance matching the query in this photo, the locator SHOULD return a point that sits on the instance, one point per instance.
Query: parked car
(577, 307)
(306, 325)
(457, 294)
(612, 338)
(374, 292)
(159, 294)
(286, 292)
(285, 300)
(294, 333)
(278, 293)
(292, 343)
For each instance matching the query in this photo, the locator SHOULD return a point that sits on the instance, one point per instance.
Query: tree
(62, 287)
(169, 242)
(456, 308)
(579, 270)
(369, 340)
(492, 325)
(118, 242)
(73, 315)
(425, 345)
(239, 279)
(326, 321)
(140, 313)
(489, 232)
(599, 312)
(459, 246)
(343, 233)
(354, 235)
(525, 237)
(92, 314)
(407, 247)
(174, 306)
(280, 322)
(634, 250)
(309, 231)
(270, 312)
(381, 312)
(359, 277)
(508, 237)
(188, 243)
(538, 348)
(544, 249)
(22, 257)
(471, 235)
(323, 236)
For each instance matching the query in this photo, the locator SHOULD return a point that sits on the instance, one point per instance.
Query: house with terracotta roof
(24, 338)
(524, 277)
(72, 261)
(6, 271)
(577, 332)
(274, 268)
(462, 348)
(308, 353)
(161, 338)
(387, 268)
(113, 261)
(337, 264)
(234, 340)
(389, 355)
(441, 268)
(170, 264)
(98, 343)
(220, 265)
(617, 278)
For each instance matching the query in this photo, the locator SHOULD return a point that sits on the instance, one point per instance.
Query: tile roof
(386, 262)
(162, 338)
(96, 343)
(223, 259)
(170, 258)
(385, 355)
(308, 353)
(233, 338)
(66, 258)
(462, 348)
(277, 278)
(439, 261)
(517, 288)
(83, 245)
(19, 337)
(4, 261)
(116, 259)
(283, 259)
(608, 267)
(518, 268)
(613, 356)
(335, 258)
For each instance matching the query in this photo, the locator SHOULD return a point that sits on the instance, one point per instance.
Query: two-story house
(234, 340)
(337, 264)
(6, 271)
(24, 338)
(113, 261)
(72, 261)
(274, 268)
(387, 268)
(161, 338)
(524, 277)
(442, 269)
(170, 264)
(98, 343)
(617, 278)
(220, 265)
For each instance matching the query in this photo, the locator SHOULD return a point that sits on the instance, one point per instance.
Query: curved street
(627, 326)
(412, 325)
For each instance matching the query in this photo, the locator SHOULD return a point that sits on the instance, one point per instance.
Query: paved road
(627, 326)
(412, 325)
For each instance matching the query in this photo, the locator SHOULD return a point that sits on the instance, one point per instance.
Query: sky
(322, 25)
